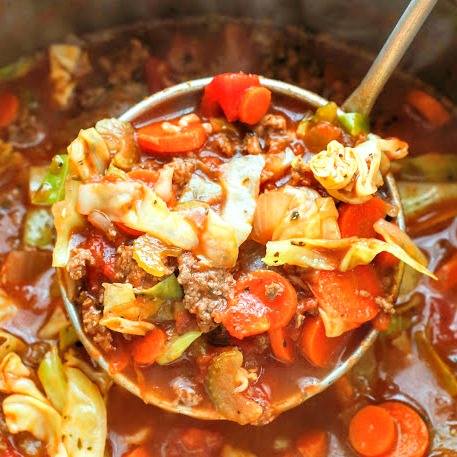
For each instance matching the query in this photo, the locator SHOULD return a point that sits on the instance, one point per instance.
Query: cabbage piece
(67, 220)
(84, 427)
(9, 344)
(38, 228)
(343, 254)
(52, 378)
(167, 289)
(218, 241)
(138, 207)
(240, 179)
(122, 312)
(28, 414)
(349, 174)
(89, 155)
(97, 376)
(66, 63)
(56, 322)
(15, 378)
(201, 188)
(119, 137)
(150, 254)
(393, 148)
(311, 218)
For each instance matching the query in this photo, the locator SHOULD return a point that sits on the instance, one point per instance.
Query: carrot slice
(146, 349)
(254, 104)
(372, 431)
(316, 347)
(281, 345)
(313, 443)
(138, 452)
(263, 300)
(171, 138)
(358, 220)
(149, 177)
(319, 135)
(447, 275)
(346, 298)
(9, 108)
(413, 436)
(428, 107)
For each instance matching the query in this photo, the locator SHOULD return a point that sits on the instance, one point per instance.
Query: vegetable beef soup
(224, 250)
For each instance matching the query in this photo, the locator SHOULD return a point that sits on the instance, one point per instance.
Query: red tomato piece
(146, 349)
(171, 137)
(263, 300)
(103, 253)
(227, 90)
(9, 108)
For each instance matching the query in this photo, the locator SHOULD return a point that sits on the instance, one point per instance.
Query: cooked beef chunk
(79, 260)
(127, 270)
(182, 170)
(91, 315)
(206, 290)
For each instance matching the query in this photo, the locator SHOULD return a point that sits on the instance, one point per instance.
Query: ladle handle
(365, 95)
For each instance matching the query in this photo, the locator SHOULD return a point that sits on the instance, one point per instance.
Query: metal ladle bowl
(361, 100)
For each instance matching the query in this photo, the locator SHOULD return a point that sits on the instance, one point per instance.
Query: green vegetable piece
(168, 289)
(39, 228)
(52, 188)
(176, 347)
(326, 113)
(225, 383)
(16, 69)
(354, 123)
(67, 337)
(442, 371)
(52, 377)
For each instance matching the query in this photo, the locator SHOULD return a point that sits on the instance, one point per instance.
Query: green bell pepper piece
(52, 188)
(354, 123)
(175, 348)
(168, 289)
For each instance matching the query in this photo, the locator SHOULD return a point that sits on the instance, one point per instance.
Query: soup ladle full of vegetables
(228, 247)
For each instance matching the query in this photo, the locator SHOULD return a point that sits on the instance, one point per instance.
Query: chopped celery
(39, 228)
(354, 123)
(443, 372)
(168, 289)
(432, 167)
(52, 378)
(52, 188)
(67, 337)
(327, 113)
(175, 348)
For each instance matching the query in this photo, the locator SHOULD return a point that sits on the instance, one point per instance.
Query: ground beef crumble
(91, 315)
(206, 291)
(79, 260)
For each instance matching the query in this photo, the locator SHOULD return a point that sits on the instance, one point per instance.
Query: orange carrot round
(318, 136)
(146, 349)
(372, 431)
(313, 443)
(413, 436)
(428, 107)
(281, 345)
(254, 104)
(9, 108)
(315, 346)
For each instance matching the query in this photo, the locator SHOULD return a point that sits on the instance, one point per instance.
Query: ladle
(362, 101)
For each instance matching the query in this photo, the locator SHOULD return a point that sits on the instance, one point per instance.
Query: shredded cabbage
(84, 427)
(349, 174)
(8, 308)
(343, 254)
(56, 322)
(66, 220)
(122, 312)
(52, 378)
(119, 136)
(9, 344)
(89, 155)
(240, 179)
(138, 207)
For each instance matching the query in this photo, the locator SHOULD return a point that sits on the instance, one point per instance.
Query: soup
(56, 100)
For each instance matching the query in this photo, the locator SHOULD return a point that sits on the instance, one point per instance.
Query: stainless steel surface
(300, 395)
(365, 95)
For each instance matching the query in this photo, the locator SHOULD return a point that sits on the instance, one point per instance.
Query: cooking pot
(27, 25)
